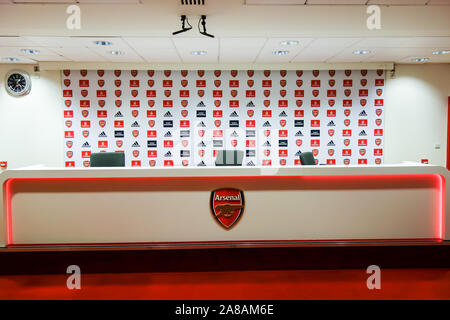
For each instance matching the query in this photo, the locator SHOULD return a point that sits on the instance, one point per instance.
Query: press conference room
(241, 149)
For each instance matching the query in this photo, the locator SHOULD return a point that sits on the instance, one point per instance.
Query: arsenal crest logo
(250, 83)
(227, 206)
(299, 103)
(167, 73)
(117, 73)
(102, 123)
(330, 152)
(331, 82)
(151, 103)
(266, 93)
(348, 72)
(83, 73)
(378, 112)
(283, 93)
(201, 73)
(69, 144)
(282, 123)
(299, 83)
(267, 73)
(135, 153)
(267, 133)
(152, 163)
(134, 93)
(347, 92)
(217, 73)
(331, 102)
(217, 103)
(250, 113)
(68, 103)
(315, 93)
(363, 82)
(363, 73)
(201, 93)
(379, 92)
(299, 73)
(66, 72)
(217, 83)
(118, 93)
(299, 142)
(151, 83)
(100, 73)
(331, 73)
(184, 103)
(135, 133)
(101, 103)
(134, 73)
(69, 154)
(331, 132)
(85, 113)
(184, 73)
(151, 123)
(101, 83)
(250, 73)
(68, 123)
(217, 123)
(150, 73)
(283, 82)
(135, 113)
(84, 93)
(117, 82)
(119, 143)
(234, 93)
(363, 102)
(184, 113)
(67, 82)
(234, 73)
(315, 73)
(266, 103)
(184, 83)
(380, 72)
(167, 93)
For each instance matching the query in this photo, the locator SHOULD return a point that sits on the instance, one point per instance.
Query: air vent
(193, 2)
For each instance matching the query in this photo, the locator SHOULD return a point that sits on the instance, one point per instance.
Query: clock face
(18, 83)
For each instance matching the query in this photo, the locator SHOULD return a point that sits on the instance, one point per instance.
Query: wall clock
(18, 83)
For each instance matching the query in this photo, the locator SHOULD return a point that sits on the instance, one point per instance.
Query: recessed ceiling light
(30, 51)
(103, 43)
(116, 52)
(441, 52)
(198, 53)
(361, 52)
(280, 52)
(10, 59)
(420, 59)
(289, 43)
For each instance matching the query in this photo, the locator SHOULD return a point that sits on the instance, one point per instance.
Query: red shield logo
(379, 72)
(363, 82)
(315, 153)
(378, 141)
(184, 73)
(250, 73)
(378, 122)
(250, 83)
(150, 83)
(299, 142)
(118, 103)
(118, 93)
(331, 73)
(67, 82)
(283, 73)
(234, 93)
(217, 73)
(330, 152)
(378, 112)
(184, 103)
(362, 152)
(201, 93)
(266, 93)
(250, 113)
(331, 102)
(185, 163)
(68, 123)
(151, 123)
(217, 83)
(69, 154)
(184, 113)
(379, 92)
(167, 93)
(283, 122)
(85, 113)
(135, 153)
(201, 152)
(201, 133)
(86, 163)
(84, 92)
(217, 103)
(135, 133)
(347, 92)
(185, 143)
(167, 73)
(227, 206)
(283, 93)
(68, 103)
(331, 132)
(117, 73)
(234, 143)
(266, 103)
(315, 73)
(348, 73)
(346, 161)
(378, 160)
(217, 123)
(119, 143)
(69, 144)
(102, 123)
(201, 73)
(135, 113)
(66, 72)
(283, 82)
(267, 152)
(100, 73)
(299, 83)
(331, 82)
(315, 112)
(150, 73)
(83, 73)
(267, 133)
(347, 122)
(299, 103)
(346, 142)
(347, 112)
(134, 73)
(283, 162)
(234, 73)
(101, 82)
(299, 73)
(363, 73)
(85, 133)
(267, 73)
(315, 93)
(151, 103)
(363, 102)
(184, 83)
(152, 163)
(134, 93)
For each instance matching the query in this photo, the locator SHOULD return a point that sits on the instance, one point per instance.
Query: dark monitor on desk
(229, 158)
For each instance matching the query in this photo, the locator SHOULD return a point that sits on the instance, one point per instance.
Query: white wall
(31, 127)
(415, 121)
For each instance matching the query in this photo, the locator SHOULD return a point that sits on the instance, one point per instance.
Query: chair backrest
(229, 158)
(108, 159)
(307, 159)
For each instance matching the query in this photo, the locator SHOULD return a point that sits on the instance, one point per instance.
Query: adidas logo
(202, 144)
(363, 133)
(135, 145)
(135, 124)
(251, 164)
(201, 124)
(201, 164)
(282, 114)
(267, 144)
(330, 144)
(168, 154)
(250, 104)
(102, 134)
(266, 124)
(168, 134)
(331, 124)
(299, 134)
(234, 114)
(201, 104)
(234, 134)
(118, 115)
(86, 145)
(363, 113)
(167, 114)
(298, 153)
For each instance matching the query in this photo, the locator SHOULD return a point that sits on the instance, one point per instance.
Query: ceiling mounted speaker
(193, 2)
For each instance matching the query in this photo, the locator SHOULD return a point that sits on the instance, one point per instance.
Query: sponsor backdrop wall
(31, 127)
(182, 118)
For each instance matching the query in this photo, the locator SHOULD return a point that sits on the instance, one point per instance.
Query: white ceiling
(224, 50)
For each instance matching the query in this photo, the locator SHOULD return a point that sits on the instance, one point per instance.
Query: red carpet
(427, 283)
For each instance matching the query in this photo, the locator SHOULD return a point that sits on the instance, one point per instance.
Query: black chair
(307, 159)
(229, 158)
(108, 159)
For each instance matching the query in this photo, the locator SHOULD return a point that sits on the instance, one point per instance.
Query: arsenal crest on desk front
(227, 206)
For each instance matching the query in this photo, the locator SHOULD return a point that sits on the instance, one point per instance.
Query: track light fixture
(203, 22)
(183, 26)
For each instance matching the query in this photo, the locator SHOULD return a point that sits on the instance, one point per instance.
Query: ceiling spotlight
(30, 51)
(280, 52)
(184, 20)
(10, 59)
(361, 52)
(441, 52)
(103, 43)
(203, 22)
(420, 60)
(198, 53)
(116, 52)
(289, 43)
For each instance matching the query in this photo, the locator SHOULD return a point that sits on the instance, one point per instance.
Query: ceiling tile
(79, 54)
(398, 2)
(56, 41)
(407, 42)
(15, 42)
(142, 43)
(336, 2)
(240, 50)
(185, 46)
(274, 2)
(160, 55)
(274, 44)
